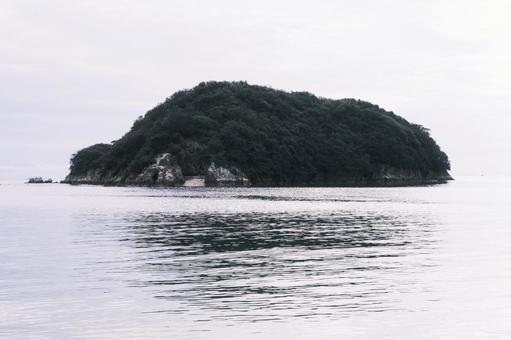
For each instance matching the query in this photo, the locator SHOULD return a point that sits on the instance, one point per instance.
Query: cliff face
(236, 134)
(386, 179)
(390, 174)
(220, 176)
(164, 172)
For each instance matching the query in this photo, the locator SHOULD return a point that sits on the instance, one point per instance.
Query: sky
(75, 73)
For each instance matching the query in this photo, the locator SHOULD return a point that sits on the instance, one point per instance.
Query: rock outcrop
(90, 177)
(394, 175)
(163, 172)
(218, 176)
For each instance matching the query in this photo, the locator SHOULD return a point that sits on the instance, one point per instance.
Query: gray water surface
(88, 262)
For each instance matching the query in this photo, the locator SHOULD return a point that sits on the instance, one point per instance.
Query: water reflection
(91, 262)
(199, 234)
(260, 266)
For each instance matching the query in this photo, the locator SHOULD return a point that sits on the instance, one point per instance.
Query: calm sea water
(87, 262)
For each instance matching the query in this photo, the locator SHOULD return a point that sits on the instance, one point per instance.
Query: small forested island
(237, 134)
(38, 180)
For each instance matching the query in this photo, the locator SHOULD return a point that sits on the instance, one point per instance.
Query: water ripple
(252, 266)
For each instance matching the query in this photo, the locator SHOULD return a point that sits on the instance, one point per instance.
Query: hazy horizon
(76, 74)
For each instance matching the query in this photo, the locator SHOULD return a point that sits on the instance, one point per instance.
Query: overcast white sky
(74, 73)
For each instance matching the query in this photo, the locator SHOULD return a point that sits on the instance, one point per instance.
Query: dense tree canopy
(274, 137)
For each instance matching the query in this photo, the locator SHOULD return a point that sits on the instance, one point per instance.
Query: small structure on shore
(38, 180)
(194, 181)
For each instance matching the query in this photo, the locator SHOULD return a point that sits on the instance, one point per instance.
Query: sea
(93, 262)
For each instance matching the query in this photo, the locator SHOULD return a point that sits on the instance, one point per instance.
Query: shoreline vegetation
(222, 134)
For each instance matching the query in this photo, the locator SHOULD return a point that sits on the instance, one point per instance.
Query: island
(38, 180)
(238, 134)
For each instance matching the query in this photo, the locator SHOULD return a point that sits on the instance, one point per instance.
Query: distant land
(237, 134)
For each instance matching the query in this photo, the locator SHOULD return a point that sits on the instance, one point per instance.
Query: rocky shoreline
(166, 172)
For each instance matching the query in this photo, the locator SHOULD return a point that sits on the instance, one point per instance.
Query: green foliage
(92, 157)
(274, 137)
